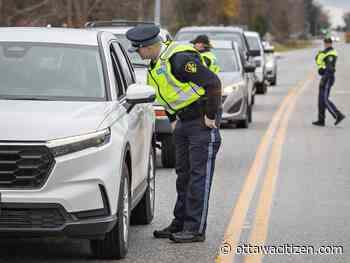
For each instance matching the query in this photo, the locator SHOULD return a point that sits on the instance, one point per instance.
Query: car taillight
(160, 113)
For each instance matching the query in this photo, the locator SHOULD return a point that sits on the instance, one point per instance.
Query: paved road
(298, 194)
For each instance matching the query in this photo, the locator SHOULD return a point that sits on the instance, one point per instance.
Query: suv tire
(115, 243)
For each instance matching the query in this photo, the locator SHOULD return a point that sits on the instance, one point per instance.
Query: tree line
(284, 19)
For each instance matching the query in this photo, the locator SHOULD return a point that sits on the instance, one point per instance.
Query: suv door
(136, 127)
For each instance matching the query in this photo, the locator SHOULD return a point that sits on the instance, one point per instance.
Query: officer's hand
(209, 122)
(173, 125)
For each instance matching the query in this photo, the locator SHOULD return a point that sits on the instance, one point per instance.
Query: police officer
(203, 45)
(191, 95)
(326, 61)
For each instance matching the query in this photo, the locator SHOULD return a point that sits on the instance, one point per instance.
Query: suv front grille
(24, 166)
(24, 216)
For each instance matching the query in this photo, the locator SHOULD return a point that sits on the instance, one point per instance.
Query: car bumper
(38, 220)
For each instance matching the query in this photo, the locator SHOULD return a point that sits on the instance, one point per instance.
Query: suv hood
(229, 78)
(48, 120)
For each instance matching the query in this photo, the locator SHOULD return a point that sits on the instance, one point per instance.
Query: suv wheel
(115, 243)
(168, 151)
(261, 88)
(250, 113)
(143, 213)
(274, 81)
(244, 124)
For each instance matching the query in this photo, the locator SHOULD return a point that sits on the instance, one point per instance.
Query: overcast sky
(336, 9)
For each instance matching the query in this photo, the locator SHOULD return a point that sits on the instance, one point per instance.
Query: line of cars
(252, 60)
(77, 155)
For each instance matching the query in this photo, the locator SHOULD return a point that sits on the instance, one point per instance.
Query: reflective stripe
(326, 100)
(208, 179)
(183, 95)
(172, 93)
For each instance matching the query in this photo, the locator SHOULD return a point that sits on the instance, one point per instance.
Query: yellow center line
(234, 229)
(260, 227)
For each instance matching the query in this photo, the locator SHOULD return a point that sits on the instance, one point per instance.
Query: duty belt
(191, 112)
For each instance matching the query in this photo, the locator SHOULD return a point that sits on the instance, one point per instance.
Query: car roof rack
(117, 22)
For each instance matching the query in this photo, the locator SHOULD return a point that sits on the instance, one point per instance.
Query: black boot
(339, 118)
(319, 123)
(187, 237)
(166, 232)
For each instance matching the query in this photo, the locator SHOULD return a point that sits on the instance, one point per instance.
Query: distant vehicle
(236, 84)
(257, 49)
(76, 156)
(222, 33)
(215, 33)
(271, 64)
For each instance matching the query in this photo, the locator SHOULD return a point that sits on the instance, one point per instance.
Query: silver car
(271, 64)
(237, 87)
(257, 50)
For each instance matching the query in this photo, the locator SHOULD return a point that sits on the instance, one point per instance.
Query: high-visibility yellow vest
(213, 66)
(170, 92)
(321, 57)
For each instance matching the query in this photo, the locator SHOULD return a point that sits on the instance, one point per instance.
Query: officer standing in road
(191, 95)
(203, 45)
(326, 62)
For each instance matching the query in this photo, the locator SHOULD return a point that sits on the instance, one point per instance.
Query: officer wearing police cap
(203, 45)
(191, 95)
(326, 63)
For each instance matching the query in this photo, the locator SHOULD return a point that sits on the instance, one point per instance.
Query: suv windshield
(50, 71)
(226, 59)
(188, 36)
(253, 43)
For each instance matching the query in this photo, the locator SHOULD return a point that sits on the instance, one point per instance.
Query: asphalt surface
(309, 199)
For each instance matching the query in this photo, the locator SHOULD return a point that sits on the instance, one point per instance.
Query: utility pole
(157, 12)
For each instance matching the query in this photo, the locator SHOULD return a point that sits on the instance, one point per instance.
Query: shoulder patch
(191, 67)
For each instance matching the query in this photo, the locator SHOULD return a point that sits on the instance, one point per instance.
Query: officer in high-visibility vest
(191, 95)
(326, 62)
(202, 44)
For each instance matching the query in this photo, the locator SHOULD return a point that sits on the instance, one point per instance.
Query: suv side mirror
(254, 53)
(138, 93)
(249, 68)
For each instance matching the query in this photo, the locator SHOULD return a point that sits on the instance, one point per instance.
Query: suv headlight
(233, 88)
(78, 143)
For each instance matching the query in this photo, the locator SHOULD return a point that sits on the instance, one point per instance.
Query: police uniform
(326, 63)
(188, 90)
(208, 56)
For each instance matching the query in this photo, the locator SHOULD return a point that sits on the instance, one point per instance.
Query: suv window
(254, 42)
(124, 64)
(119, 78)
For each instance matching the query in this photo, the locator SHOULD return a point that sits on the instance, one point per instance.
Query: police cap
(328, 40)
(142, 36)
(202, 39)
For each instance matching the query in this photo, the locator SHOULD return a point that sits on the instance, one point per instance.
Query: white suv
(76, 143)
